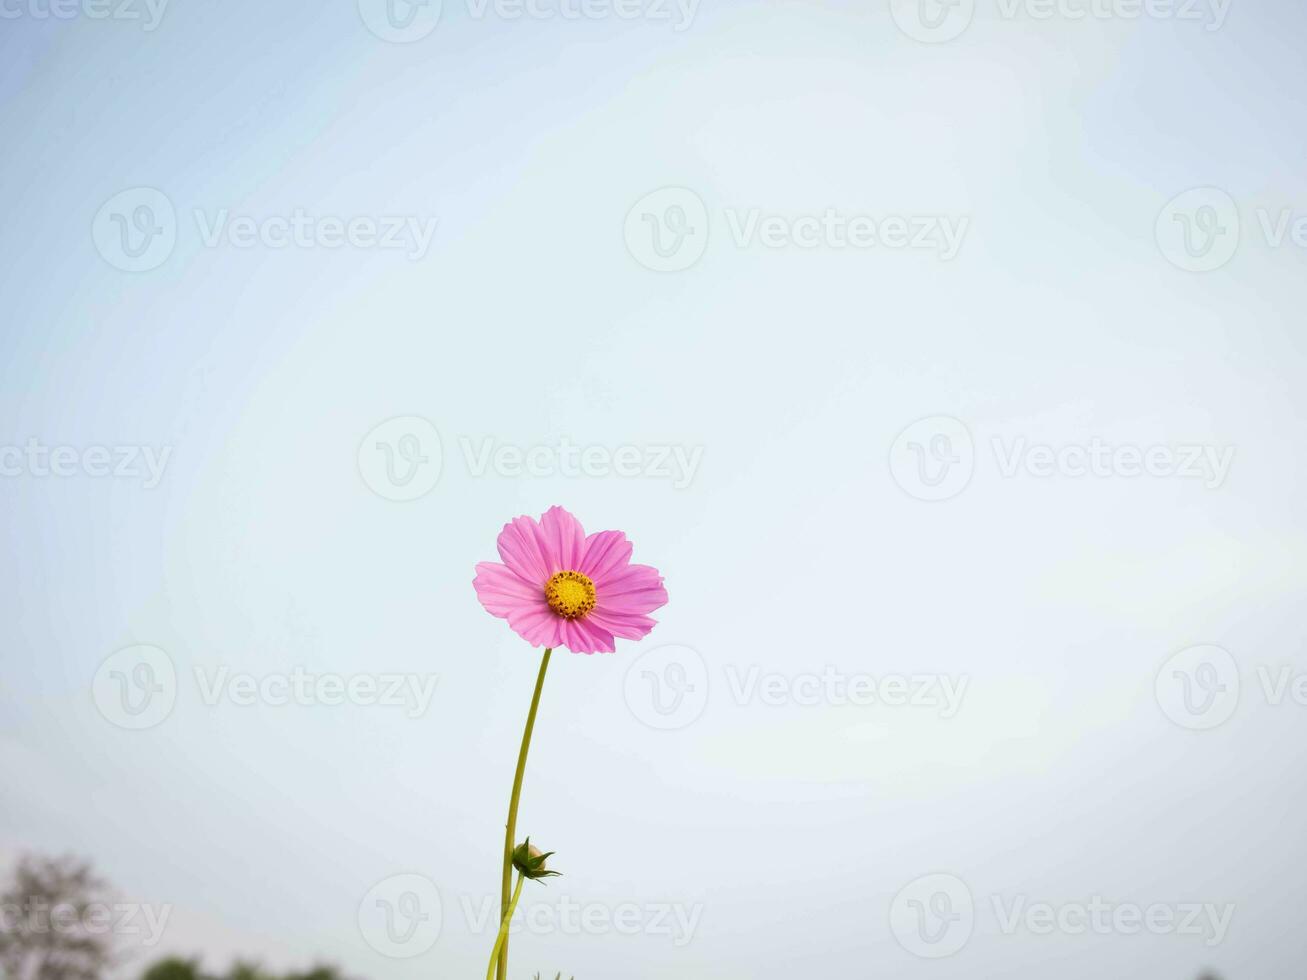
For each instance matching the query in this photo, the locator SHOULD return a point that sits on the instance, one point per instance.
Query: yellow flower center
(570, 594)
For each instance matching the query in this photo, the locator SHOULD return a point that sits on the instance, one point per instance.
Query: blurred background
(947, 359)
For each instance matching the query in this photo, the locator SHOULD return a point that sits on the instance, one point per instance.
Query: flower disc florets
(570, 594)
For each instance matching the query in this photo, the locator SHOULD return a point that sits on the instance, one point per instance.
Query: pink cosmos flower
(559, 587)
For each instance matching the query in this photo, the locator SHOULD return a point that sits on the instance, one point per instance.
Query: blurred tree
(53, 922)
(243, 970)
(174, 968)
(181, 969)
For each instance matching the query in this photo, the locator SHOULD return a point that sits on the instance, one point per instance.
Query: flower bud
(530, 862)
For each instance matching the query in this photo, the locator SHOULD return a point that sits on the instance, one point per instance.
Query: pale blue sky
(528, 321)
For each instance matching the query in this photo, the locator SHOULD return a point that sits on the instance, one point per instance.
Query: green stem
(502, 939)
(510, 831)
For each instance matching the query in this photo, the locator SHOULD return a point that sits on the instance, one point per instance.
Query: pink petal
(623, 601)
(586, 636)
(636, 588)
(502, 591)
(537, 624)
(605, 553)
(521, 546)
(563, 540)
(627, 626)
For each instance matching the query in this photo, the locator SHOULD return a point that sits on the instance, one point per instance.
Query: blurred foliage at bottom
(177, 968)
